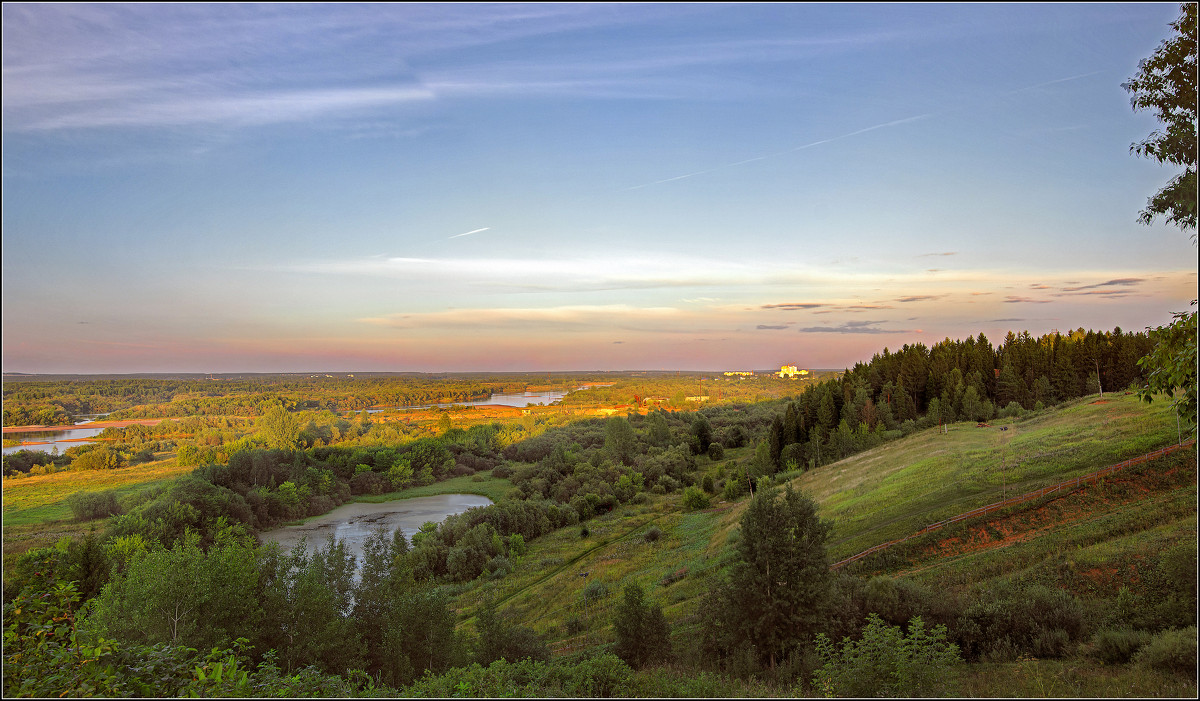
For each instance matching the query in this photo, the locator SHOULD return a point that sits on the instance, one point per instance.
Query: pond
(352, 523)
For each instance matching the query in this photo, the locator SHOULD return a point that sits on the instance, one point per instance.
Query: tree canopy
(1166, 84)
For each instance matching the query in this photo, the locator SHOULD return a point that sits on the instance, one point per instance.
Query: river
(47, 441)
(352, 523)
(498, 399)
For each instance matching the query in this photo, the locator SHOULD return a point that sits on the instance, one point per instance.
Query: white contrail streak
(469, 233)
(780, 153)
(892, 123)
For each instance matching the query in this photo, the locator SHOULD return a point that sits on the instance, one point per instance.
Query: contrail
(884, 125)
(469, 233)
(780, 153)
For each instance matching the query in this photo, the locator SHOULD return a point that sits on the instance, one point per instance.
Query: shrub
(1007, 622)
(87, 506)
(716, 451)
(1118, 646)
(594, 591)
(886, 662)
(1172, 651)
(370, 483)
(574, 625)
(499, 566)
(652, 534)
(695, 499)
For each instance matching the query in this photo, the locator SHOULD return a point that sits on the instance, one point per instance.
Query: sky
(494, 187)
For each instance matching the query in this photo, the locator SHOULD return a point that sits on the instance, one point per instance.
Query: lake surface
(352, 523)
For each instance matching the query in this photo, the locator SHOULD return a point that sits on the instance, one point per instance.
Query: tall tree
(280, 428)
(778, 587)
(1166, 84)
(643, 635)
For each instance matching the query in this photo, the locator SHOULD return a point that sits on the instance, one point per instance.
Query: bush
(1007, 622)
(695, 499)
(1172, 651)
(87, 506)
(716, 451)
(594, 591)
(1118, 646)
(652, 534)
(886, 662)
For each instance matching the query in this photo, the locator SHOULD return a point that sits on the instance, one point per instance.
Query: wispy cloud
(1015, 299)
(948, 253)
(794, 306)
(768, 327)
(1119, 282)
(1101, 293)
(919, 298)
(864, 327)
(595, 316)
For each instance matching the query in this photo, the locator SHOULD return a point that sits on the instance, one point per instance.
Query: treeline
(673, 390)
(33, 402)
(969, 380)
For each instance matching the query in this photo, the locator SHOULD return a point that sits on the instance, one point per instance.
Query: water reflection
(48, 441)
(352, 523)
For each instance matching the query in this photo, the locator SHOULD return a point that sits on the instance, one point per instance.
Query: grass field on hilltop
(895, 489)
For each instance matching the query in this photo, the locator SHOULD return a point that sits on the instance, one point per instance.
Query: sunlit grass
(897, 488)
(42, 498)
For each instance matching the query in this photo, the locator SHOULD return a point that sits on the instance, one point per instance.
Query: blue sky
(224, 188)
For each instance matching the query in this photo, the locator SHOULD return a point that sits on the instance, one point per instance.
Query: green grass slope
(876, 496)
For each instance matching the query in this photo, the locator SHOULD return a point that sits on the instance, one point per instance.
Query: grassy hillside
(880, 495)
(897, 488)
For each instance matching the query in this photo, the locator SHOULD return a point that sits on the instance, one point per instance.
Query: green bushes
(695, 499)
(500, 640)
(1118, 646)
(88, 506)
(601, 676)
(887, 662)
(1172, 651)
(1004, 623)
